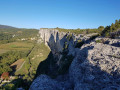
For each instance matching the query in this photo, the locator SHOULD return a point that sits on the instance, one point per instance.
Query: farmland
(15, 48)
(19, 46)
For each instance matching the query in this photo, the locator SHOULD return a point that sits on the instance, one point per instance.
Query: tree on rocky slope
(113, 28)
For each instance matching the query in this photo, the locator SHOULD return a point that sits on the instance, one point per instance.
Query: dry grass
(18, 63)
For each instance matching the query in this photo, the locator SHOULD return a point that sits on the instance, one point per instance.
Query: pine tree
(116, 23)
(100, 27)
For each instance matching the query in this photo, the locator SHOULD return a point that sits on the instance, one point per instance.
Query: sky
(59, 13)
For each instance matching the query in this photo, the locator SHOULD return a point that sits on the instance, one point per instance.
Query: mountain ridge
(6, 27)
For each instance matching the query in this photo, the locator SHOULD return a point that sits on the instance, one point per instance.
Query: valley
(59, 44)
(55, 56)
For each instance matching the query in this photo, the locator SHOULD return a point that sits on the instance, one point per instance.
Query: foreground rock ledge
(95, 66)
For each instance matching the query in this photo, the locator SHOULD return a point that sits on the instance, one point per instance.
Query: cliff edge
(95, 65)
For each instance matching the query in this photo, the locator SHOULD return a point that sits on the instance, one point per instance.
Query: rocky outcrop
(113, 42)
(95, 66)
(46, 83)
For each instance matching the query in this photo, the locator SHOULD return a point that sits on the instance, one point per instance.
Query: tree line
(112, 30)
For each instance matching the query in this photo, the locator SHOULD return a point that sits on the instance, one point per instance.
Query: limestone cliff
(56, 40)
(53, 38)
(96, 64)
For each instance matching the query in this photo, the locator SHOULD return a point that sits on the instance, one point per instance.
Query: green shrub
(79, 31)
(98, 41)
(9, 87)
(79, 43)
(111, 29)
(93, 37)
(69, 37)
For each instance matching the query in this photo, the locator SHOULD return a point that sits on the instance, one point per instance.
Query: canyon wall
(53, 39)
(56, 40)
(96, 64)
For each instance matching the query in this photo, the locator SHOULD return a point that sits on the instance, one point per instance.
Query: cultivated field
(20, 46)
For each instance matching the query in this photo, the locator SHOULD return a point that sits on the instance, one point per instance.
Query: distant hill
(6, 27)
(7, 33)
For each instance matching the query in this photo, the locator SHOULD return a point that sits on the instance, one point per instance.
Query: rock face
(52, 38)
(56, 40)
(95, 66)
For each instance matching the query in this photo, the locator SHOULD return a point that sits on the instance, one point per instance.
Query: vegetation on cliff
(113, 30)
